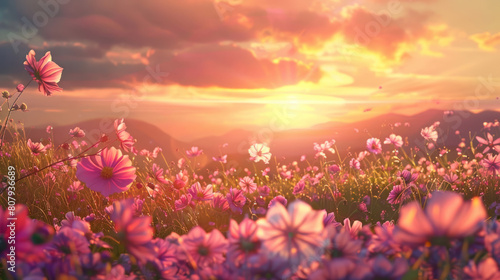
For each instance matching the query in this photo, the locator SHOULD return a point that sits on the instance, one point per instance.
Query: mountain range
(292, 143)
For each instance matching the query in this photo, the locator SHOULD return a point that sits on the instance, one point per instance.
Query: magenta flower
(203, 249)
(222, 159)
(446, 215)
(492, 164)
(394, 139)
(260, 152)
(77, 132)
(243, 241)
(399, 194)
(126, 140)
(158, 174)
(76, 186)
(355, 164)
(108, 172)
(201, 194)
(342, 269)
(45, 72)
(37, 148)
(219, 202)
(373, 145)
(299, 187)
(382, 268)
(490, 143)
(69, 241)
(183, 202)
(278, 199)
(135, 233)
(382, 240)
(236, 200)
(31, 238)
(429, 133)
(354, 229)
(321, 148)
(247, 185)
(194, 152)
(295, 235)
(485, 270)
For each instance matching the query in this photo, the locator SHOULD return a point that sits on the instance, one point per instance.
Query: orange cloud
(486, 41)
(388, 34)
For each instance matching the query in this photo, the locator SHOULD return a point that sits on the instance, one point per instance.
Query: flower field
(110, 210)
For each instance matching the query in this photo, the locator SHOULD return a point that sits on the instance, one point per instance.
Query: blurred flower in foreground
(45, 72)
(108, 172)
(446, 216)
(243, 240)
(203, 249)
(135, 233)
(295, 235)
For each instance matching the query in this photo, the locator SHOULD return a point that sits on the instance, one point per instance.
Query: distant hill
(293, 143)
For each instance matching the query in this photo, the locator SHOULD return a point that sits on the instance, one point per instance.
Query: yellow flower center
(107, 172)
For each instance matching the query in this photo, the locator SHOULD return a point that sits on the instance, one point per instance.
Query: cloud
(486, 41)
(230, 67)
(384, 33)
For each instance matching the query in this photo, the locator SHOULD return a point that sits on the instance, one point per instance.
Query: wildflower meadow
(111, 210)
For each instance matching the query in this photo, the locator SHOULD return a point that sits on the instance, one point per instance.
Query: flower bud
(23, 107)
(20, 87)
(5, 94)
(104, 138)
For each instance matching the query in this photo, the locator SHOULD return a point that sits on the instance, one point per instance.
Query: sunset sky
(198, 67)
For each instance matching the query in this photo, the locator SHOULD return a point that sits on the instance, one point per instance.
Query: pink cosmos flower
(108, 172)
(490, 143)
(278, 200)
(373, 145)
(485, 270)
(299, 187)
(295, 235)
(77, 132)
(260, 152)
(492, 164)
(429, 133)
(158, 174)
(219, 203)
(126, 140)
(133, 232)
(446, 215)
(355, 164)
(45, 72)
(243, 240)
(201, 194)
(203, 249)
(354, 229)
(340, 269)
(321, 148)
(194, 152)
(382, 240)
(247, 185)
(394, 139)
(183, 202)
(37, 148)
(398, 194)
(236, 200)
(29, 245)
(76, 186)
(222, 159)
